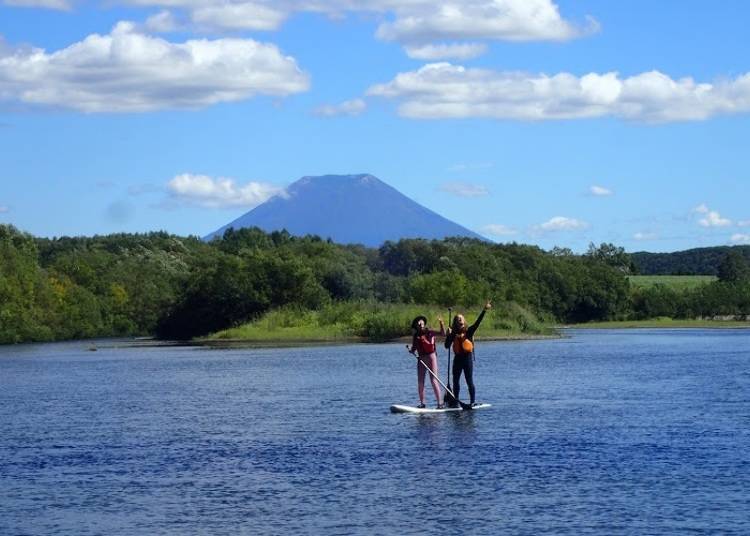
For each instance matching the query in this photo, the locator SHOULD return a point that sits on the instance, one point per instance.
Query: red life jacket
(426, 343)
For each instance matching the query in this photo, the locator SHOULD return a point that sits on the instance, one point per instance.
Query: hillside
(698, 261)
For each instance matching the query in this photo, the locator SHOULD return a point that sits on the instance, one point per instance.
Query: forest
(172, 287)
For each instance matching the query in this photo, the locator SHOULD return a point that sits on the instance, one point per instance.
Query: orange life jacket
(462, 345)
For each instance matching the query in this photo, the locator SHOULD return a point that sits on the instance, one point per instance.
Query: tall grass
(374, 322)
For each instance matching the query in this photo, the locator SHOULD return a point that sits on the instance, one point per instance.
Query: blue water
(605, 432)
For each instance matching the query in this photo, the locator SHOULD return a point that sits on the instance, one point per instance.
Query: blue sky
(555, 123)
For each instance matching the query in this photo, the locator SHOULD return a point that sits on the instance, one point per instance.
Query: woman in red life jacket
(423, 344)
(462, 339)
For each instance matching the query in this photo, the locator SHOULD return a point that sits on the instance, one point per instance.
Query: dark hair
(417, 319)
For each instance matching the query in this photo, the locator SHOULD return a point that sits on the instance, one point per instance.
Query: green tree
(734, 268)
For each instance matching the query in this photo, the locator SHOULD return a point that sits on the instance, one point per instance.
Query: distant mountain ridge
(348, 209)
(697, 261)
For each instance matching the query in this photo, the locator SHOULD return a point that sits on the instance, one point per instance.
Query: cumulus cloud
(45, 4)
(239, 15)
(422, 26)
(463, 189)
(561, 223)
(350, 107)
(458, 51)
(443, 90)
(128, 71)
(162, 22)
(496, 229)
(645, 236)
(220, 192)
(710, 218)
(743, 223)
(739, 238)
(511, 20)
(600, 191)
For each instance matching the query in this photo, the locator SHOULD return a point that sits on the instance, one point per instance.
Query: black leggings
(463, 363)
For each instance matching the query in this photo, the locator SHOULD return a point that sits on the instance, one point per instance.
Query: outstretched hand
(488, 305)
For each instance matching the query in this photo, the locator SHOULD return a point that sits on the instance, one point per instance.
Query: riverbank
(286, 340)
(663, 323)
(347, 323)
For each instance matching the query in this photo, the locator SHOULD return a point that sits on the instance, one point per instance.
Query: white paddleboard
(398, 408)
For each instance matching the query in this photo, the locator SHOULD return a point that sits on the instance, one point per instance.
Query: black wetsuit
(464, 361)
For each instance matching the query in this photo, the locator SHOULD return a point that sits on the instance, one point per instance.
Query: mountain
(348, 209)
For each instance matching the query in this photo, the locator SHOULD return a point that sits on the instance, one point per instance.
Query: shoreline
(661, 324)
(141, 341)
(286, 343)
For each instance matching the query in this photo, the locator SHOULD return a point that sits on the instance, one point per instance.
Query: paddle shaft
(463, 405)
(448, 370)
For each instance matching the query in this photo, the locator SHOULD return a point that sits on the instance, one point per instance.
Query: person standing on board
(462, 339)
(423, 345)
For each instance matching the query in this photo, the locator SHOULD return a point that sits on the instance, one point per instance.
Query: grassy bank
(664, 323)
(375, 322)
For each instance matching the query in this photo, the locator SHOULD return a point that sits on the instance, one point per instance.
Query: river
(601, 432)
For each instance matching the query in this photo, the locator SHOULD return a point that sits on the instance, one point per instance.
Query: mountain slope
(349, 209)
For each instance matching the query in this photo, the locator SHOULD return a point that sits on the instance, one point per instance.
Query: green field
(675, 282)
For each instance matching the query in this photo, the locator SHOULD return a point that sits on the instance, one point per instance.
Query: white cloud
(127, 71)
(743, 223)
(164, 21)
(511, 20)
(739, 238)
(710, 218)
(645, 236)
(420, 25)
(61, 5)
(561, 223)
(351, 107)
(221, 192)
(459, 51)
(4, 209)
(463, 189)
(239, 15)
(600, 191)
(444, 90)
(496, 229)
(701, 209)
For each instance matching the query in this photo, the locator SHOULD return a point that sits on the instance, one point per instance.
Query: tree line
(697, 261)
(182, 287)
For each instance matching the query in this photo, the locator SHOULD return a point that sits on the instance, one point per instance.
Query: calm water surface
(605, 432)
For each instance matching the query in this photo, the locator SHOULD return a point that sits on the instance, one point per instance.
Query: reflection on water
(608, 432)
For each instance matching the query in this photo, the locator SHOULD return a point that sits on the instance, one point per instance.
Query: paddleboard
(398, 408)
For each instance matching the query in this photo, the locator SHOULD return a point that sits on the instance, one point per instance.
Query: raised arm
(475, 325)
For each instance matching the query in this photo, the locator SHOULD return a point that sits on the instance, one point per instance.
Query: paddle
(463, 405)
(446, 400)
